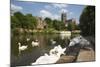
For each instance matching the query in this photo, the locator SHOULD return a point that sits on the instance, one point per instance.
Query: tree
(18, 20)
(22, 20)
(72, 26)
(58, 25)
(87, 21)
(69, 27)
(32, 21)
(14, 22)
(49, 22)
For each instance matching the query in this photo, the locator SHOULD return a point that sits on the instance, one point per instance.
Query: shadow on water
(30, 55)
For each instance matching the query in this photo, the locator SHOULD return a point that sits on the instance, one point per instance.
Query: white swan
(21, 48)
(53, 41)
(52, 58)
(27, 39)
(79, 40)
(57, 48)
(35, 43)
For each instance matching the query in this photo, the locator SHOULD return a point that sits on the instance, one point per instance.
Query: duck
(50, 59)
(35, 43)
(21, 48)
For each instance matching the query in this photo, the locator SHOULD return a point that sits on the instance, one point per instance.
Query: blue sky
(52, 10)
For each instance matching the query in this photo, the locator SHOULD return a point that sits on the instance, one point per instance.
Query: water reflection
(46, 42)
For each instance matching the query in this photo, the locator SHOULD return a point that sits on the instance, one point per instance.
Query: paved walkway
(84, 55)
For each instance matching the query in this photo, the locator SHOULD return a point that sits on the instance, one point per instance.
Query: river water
(30, 55)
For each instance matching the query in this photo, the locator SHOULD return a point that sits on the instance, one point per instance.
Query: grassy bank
(18, 31)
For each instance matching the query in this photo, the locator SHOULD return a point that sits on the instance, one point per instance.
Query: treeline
(59, 25)
(19, 20)
(86, 22)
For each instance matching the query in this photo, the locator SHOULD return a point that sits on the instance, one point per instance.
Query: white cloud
(66, 11)
(15, 8)
(71, 13)
(60, 5)
(53, 6)
(63, 10)
(45, 13)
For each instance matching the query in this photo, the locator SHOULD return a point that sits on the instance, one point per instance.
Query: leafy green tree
(72, 26)
(14, 22)
(22, 20)
(87, 21)
(58, 25)
(32, 21)
(49, 22)
(69, 27)
(77, 27)
(55, 24)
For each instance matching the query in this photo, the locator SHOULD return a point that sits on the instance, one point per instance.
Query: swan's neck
(19, 45)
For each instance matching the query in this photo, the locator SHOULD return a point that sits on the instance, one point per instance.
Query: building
(41, 24)
(63, 17)
(65, 20)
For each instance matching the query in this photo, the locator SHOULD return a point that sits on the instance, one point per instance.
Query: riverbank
(84, 56)
(22, 31)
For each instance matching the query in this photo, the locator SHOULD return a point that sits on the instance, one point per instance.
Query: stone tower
(63, 17)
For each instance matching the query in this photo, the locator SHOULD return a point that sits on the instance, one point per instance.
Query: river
(30, 55)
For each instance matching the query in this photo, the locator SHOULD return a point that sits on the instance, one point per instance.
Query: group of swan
(52, 57)
(79, 40)
(57, 51)
(24, 47)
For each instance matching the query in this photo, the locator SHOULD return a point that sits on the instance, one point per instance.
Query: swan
(76, 44)
(27, 39)
(46, 59)
(53, 41)
(35, 43)
(52, 58)
(57, 48)
(79, 40)
(46, 54)
(53, 51)
(21, 48)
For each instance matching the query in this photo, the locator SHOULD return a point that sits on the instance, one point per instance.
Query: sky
(51, 10)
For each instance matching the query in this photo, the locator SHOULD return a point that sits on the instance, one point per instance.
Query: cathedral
(65, 20)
